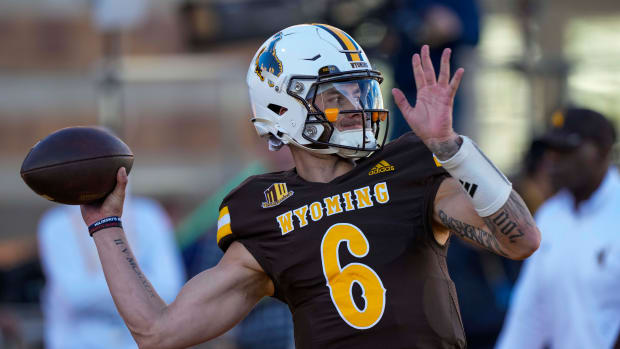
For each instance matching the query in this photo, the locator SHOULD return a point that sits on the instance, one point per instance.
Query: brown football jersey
(355, 259)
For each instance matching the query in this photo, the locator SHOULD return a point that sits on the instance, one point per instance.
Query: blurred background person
(533, 182)
(567, 294)
(453, 24)
(78, 309)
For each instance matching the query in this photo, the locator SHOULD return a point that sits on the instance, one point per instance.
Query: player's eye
(335, 99)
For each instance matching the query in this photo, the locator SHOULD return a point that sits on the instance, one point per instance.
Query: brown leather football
(76, 165)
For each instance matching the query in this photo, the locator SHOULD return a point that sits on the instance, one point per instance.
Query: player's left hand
(431, 118)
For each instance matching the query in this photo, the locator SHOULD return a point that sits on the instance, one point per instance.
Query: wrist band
(487, 186)
(108, 222)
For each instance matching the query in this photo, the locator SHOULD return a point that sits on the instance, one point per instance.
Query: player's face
(346, 98)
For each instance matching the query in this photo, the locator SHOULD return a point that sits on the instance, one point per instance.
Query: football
(76, 165)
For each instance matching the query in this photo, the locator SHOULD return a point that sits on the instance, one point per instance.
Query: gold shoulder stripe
(223, 224)
(223, 212)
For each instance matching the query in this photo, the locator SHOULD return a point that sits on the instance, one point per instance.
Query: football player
(354, 238)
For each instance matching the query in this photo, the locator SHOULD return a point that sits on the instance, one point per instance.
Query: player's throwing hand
(431, 118)
(113, 203)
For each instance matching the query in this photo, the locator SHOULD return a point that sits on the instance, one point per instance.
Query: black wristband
(108, 222)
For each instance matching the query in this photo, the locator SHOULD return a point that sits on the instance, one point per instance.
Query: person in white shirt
(568, 293)
(76, 303)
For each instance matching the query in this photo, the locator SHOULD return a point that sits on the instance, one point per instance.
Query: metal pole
(109, 83)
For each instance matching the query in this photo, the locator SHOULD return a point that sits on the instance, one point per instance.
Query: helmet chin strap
(289, 140)
(342, 152)
(354, 138)
(351, 138)
(353, 154)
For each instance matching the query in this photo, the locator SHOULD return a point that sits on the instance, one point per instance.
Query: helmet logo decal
(268, 62)
(349, 46)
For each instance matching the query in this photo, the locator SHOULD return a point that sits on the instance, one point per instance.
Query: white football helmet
(312, 86)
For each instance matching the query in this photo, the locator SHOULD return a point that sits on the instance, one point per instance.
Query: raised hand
(431, 118)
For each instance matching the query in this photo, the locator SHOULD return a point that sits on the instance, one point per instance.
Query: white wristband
(488, 188)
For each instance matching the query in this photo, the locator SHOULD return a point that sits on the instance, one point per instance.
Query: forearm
(499, 221)
(514, 228)
(510, 232)
(135, 298)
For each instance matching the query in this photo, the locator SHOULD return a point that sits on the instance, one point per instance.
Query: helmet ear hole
(278, 109)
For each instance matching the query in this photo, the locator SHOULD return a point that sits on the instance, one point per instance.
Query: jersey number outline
(340, 281)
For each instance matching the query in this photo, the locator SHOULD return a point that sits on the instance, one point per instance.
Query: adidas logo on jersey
(275, 194)
(382, 166)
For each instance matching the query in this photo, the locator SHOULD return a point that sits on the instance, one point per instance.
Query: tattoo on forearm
(143, 280)
(483, 238)
(506, 225)
(507, 220)
(445, 150)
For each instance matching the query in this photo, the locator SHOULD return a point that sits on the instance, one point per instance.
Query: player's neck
(319, 167)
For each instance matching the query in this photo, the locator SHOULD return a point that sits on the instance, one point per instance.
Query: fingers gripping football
(431, 118)
(112, 205)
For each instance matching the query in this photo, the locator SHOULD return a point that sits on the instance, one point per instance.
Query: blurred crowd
(564, 296)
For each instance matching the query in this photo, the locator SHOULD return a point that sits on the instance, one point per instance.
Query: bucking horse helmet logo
(267, 62)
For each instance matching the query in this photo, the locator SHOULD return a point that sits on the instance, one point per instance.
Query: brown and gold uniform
(355, 259)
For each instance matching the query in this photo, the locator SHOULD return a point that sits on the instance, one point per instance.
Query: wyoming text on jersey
(332, 205)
